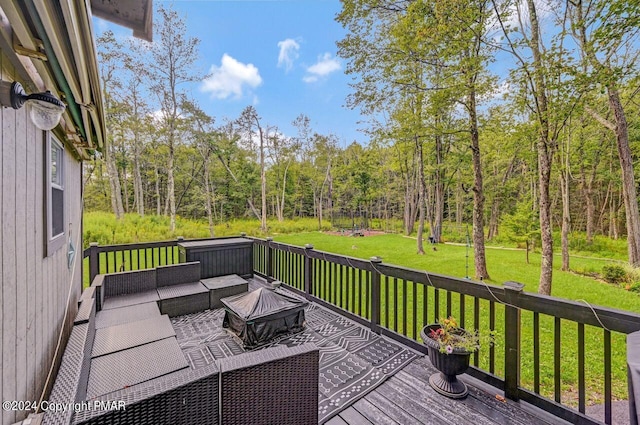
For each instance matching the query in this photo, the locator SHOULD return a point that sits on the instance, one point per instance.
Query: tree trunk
(114, 183)
(545, 153)
(171, 192)
(421, 193)
(628, 179)
(158, 200)
(459, 204)
(478, 191)
(566, 218)
(207, 190)
(125, 189)
(590, 207)
(438, 192)
(622, 138)
(263, 184)
(138, 192)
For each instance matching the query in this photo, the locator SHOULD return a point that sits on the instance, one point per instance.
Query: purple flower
(449, 349)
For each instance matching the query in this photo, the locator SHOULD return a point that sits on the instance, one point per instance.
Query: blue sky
(279, 56)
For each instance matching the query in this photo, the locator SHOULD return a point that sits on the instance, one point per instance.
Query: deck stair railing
(540, 338)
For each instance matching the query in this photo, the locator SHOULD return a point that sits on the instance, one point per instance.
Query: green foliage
(104, 229)
(634, 287)
(614, 273)
(451, 338)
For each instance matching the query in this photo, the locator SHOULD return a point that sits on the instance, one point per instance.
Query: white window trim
(53, 242)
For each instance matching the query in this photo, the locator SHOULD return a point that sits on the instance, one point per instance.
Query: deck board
(336, 420)
(373, 414)
(353, 417)
(407, 398)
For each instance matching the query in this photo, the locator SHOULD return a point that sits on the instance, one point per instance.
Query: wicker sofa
(274, 385)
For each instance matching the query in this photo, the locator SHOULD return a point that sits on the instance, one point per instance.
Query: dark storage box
(219, 257)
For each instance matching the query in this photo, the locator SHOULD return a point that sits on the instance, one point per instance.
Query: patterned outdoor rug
(353, 360)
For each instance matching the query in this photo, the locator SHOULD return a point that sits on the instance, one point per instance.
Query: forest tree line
(550, 145)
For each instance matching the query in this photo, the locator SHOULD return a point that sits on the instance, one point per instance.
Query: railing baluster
(359, 291)
(536, 352)
(581, 376)
(327, 281)
(476, 326)
(404, 307)
(425, 304)
(436, 305)
(367, 294)
(448, 303)
(607, 377)
(395, 304)
(339, 285)
(333, 283)
(386, 301)
(375, 294)
(352, 287)
(556, 359)
(462, 311)
(492, 327)
(415, 310)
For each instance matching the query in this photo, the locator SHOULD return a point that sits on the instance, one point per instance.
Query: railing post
(308, 271)
(269, 260)
(94, 268)
(375, 294)
(512, 340)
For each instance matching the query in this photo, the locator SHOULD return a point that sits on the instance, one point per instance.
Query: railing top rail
(357, 263)
(143, 245)
(448, 283)
(580, 311)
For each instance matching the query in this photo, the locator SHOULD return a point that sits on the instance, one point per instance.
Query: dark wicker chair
(277, 385)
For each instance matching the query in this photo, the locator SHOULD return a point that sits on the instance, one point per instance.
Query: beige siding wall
(34, 287)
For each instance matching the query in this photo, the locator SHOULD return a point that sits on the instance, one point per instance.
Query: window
(55, 194)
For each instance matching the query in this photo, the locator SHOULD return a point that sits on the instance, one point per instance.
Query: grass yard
(504, 265)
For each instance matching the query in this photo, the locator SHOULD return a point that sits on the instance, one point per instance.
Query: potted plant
(450, 348)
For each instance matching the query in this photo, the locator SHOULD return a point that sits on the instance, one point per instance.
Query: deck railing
(100, 259)
(533, 330)
(532, 359)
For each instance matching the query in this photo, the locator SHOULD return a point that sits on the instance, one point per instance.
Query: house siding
(34, 287)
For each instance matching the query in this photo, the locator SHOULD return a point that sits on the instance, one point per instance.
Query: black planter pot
(449, 365)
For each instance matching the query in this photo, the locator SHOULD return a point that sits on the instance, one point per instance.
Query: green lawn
(450, 260)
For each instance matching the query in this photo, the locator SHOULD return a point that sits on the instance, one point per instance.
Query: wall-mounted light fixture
(46, 109)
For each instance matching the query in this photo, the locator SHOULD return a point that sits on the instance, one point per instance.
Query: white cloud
(288, 53)
(230, 78)
(325, 66)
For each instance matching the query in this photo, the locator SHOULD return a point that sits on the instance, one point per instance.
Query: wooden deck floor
(407, 399)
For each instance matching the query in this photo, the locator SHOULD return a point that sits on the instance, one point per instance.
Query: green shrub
(614, 273)
(634, 287)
